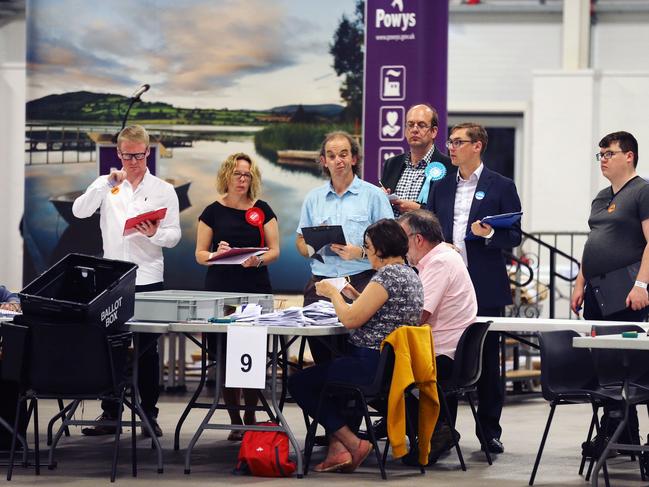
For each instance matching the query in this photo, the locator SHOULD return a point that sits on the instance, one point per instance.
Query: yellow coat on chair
(414, 363)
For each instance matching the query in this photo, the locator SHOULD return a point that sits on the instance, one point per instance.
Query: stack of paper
(320, 313)
(287, 317)
(246, 312)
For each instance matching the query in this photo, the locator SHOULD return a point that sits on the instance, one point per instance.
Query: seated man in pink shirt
(450, 303)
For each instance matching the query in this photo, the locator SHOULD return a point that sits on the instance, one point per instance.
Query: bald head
(421, 129)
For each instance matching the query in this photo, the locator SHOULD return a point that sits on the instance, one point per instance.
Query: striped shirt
(412, 179)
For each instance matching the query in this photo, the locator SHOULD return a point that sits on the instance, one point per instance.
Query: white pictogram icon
(391, 123)
(393, 82)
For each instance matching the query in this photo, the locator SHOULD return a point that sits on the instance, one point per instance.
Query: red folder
(152, 216)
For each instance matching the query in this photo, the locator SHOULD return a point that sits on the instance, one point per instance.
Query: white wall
(491, 59)
(12, 136)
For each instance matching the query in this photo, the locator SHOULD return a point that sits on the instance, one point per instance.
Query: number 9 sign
(245, 361)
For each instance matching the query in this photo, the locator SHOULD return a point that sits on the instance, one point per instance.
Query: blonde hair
(224, 175)
(133, 133)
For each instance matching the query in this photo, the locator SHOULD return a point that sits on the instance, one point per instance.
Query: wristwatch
(260, 262)
(641, 284)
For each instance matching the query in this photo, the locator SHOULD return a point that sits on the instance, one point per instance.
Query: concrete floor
(84, 461)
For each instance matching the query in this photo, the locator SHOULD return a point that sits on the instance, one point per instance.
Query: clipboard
(237, 255)
(504, 220)
(319, 238)
(152, 216)
(612, 288)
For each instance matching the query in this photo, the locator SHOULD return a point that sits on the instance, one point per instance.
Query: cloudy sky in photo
(253, 54)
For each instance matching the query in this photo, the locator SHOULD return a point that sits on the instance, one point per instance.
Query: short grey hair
(425, 223)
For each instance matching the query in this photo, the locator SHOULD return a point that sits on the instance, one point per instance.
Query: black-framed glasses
(456, 143)
(417, 125)
(245, 175)
(607, 155)
(127, 156)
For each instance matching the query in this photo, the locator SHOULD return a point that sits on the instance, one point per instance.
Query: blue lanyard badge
(434, 172)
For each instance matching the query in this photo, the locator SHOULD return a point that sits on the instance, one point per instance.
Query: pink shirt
(449, 297)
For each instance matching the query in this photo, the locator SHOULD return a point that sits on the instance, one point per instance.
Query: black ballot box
(81, 289)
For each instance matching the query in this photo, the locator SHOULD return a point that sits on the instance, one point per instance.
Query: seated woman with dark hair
(393, 298)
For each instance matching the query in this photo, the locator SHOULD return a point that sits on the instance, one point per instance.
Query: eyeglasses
(456, 143)
(606, 155)
(128, 156)
(421, 126)
(245, 175)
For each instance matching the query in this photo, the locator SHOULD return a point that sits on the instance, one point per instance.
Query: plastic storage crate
(177, 306)
(82, 288)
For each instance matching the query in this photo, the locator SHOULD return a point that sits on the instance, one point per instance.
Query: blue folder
(504, 220)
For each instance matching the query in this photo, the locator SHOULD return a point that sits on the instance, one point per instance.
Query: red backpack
(265, 454)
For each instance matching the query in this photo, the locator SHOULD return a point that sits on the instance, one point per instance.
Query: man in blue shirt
(348, 201)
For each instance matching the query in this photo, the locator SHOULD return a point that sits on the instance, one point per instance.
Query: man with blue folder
(460, 201)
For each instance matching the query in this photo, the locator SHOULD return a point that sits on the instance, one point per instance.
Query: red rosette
(255, 217)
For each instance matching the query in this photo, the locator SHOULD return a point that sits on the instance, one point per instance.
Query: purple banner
(406, 44)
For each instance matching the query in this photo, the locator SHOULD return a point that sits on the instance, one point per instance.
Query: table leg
(181, 364)
(199, 389)
(171, 362)
(278, 412)
(136, 402)
(217, 395)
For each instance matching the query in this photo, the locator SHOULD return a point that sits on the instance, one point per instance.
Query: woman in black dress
(238, 219)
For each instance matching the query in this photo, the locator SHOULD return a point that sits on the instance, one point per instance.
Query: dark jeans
(491, 389)
(149, 368)
(321, 349)
(9, 392)
(357, 367)
(444, 365)
(611, 417)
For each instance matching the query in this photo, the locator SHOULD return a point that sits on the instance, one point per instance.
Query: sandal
(361, 453)
(337, 463)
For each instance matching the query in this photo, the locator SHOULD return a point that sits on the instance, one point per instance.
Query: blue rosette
(434, 172)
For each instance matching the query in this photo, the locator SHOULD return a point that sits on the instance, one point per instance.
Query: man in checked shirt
(410, 175)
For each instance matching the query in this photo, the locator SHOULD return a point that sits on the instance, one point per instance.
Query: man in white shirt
(123, 194)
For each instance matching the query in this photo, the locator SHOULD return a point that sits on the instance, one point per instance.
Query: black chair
(75, 362)
(376, 393)
(467, 367)
(612, 368)
(567, 377)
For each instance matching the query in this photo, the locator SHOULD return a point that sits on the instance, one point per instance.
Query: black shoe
(380, 430)
(494, 445)
(155, 426)
(101, 429)
(441, 442)
(595, 447)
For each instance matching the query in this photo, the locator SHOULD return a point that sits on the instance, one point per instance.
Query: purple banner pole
(406, 59)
